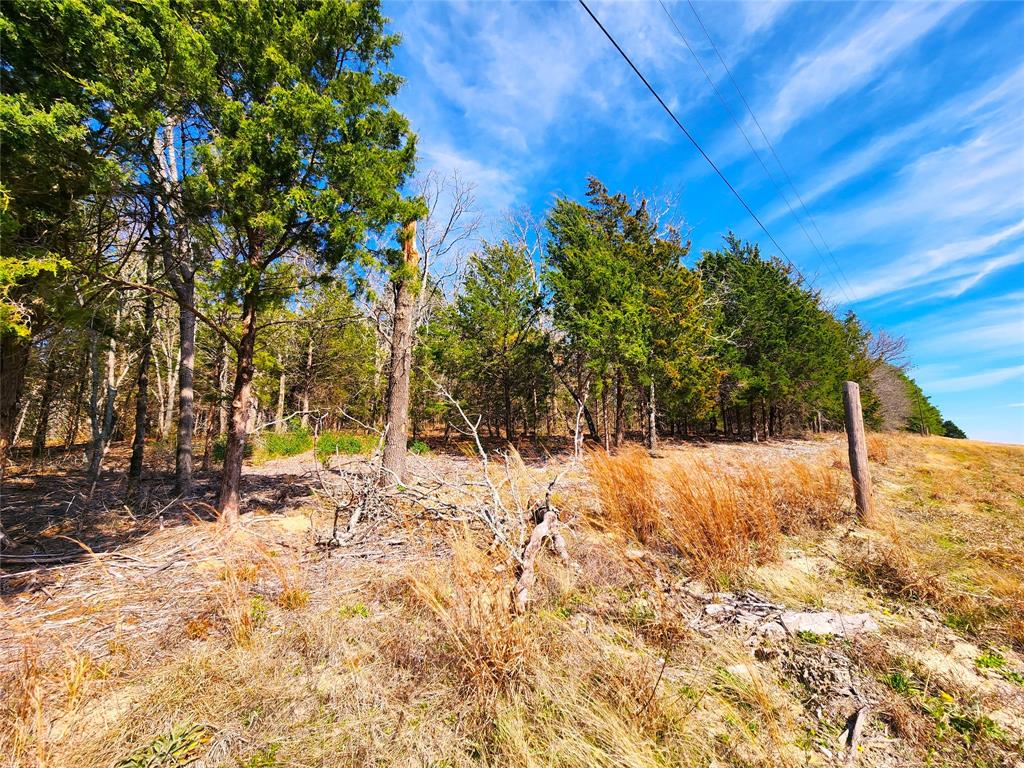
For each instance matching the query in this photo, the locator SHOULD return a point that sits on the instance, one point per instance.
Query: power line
(743, 132)
(771, 147)
(688, 135)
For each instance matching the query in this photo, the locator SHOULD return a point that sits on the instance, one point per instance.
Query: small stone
(828, 623)
(739, 670)
(634, 554)
(772, 630)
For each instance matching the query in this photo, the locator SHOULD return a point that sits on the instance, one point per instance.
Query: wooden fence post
(858, 447)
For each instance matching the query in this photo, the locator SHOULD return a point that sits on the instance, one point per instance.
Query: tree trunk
(14, 354)
(229, 504)
(308, 384)
(604, 415)
(43, 422)
(652, 418)
(102, 429)
(224, 409)
(21, 419)
(208, 441)
(400, 366)
(180, 269)
(186, 395)
(577, 395)
(506, 391)
(76, 412)
(142, 394)
(620, 400)
(279, 425)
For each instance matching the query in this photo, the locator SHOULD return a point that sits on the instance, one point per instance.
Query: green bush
(271, 445)
(419, 448)
(264, 446)
(220, 448)
(344, 443)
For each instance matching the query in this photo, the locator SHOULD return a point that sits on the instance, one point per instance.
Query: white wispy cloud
(846, 62)
(998, 100)
(521, 83)
(940, 263)
(976, 380)
(974, 274)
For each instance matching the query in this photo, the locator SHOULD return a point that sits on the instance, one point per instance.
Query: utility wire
(688, 135)
(771, 147)
(743, 132)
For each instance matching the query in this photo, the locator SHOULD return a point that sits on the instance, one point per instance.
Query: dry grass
(724, 520)
(949, 533)
(417, 663)
(252, 654)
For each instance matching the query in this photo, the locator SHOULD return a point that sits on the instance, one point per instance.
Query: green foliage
(419, 448)
(949, 429)
(67, 68)
(993, 660)
(625, 301)
(924, 417)
(353, 610)
(180, 746)
(305, 151)
(781, 349)
(490, 339)
(900, 682)
(272, 445)
(258, 610)
(344, 443)
(813, 638)
(220, 445)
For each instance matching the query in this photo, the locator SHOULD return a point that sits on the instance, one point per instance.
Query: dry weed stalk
(488, 642)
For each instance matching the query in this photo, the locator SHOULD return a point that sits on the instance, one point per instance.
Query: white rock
(828, 622)
(715, 609)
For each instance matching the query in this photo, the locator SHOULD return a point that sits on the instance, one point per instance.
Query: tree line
(211, 226)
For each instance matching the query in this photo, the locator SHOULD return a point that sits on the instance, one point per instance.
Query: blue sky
(902, 127)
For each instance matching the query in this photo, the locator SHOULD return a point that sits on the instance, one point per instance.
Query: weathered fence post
(858, 447)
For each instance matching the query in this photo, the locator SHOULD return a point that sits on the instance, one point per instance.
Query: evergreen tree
(305, 153)
(949, 429)
(492, 338)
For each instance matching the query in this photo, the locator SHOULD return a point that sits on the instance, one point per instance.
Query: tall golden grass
(722, 519)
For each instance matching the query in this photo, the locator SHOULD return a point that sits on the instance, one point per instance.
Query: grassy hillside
(657, 644)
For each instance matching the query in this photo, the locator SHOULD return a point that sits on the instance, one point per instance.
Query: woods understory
(717, 604)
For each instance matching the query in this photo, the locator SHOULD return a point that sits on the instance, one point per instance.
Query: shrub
(344, 443)
(419, 448)
(272, 445)
(220, 447)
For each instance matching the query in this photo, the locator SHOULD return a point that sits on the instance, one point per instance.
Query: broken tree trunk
(547, 528)
(400, 368)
